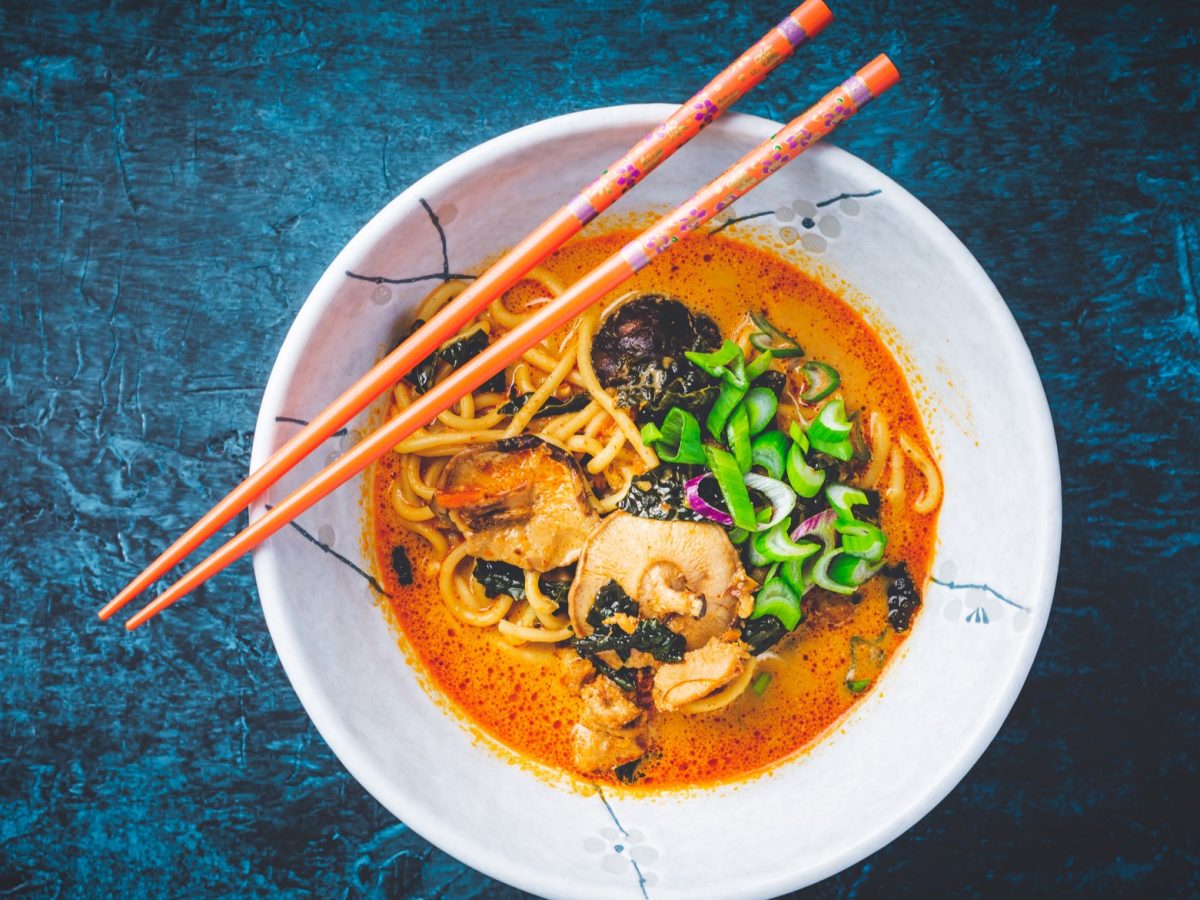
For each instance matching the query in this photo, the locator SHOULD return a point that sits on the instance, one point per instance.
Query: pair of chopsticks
(684, 222)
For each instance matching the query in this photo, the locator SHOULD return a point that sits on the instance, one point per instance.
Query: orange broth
(518, 696)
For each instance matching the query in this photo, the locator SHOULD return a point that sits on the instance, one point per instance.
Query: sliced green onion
(679, 437)
(858, 685)
(842, 450)
(851, 571)
(821, 576)
(778, 599)
(781, 497)
(798, 434)
(821, 381)
(737, 436)
(768, 337)
(760, 684)
(792, 571)
(715, 363)
(761, 363)
(727, 401)
(831, 424)
(862, 539)
(775, 545)
(842, 497)
(761, 404)
(803, 478)
(737, 535)
(769, 450)
(733, 489)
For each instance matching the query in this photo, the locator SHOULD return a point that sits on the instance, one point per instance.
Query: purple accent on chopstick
(582, 209)
(635, 256)
(858, 91)
(793, 31)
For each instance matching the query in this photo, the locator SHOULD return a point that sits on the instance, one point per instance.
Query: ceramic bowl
(898, 752)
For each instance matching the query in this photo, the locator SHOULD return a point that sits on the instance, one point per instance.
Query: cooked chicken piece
(699, 674)
(576, 670)
(606, 707)
(688, 571)
(522, 501)
(598, 750)
(638, 659)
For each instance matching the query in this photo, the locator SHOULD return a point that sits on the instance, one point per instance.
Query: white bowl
(898, 752)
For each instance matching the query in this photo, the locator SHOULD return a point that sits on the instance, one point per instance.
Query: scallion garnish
(727, 400)
(717, 362)
(803, 478)
(831, 424)
(821, 380)
(858, 685)
(737, 436)
(775, 545)
(760, 684)
(841, 450)
(769, 450)
(768, 337)
(842, 498)
(776, 598)
(760, 404)
(862, 539)
(732, 486)
(679, 438)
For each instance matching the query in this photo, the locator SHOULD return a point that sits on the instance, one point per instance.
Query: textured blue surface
(173, 183)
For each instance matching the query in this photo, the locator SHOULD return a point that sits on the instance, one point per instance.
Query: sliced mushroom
(522, 501)
(687, 572)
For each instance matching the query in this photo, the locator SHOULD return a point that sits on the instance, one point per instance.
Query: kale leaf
(424, 374)
(650, 636)
(659, 494)
(554, 406)
(655, 638)
(401, 565)
(496, 578)
(763, 633)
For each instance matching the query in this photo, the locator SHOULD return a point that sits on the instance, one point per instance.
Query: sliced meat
(606, 707)
(595, 751)
(522, 501)
(702, 671)
(687, 572)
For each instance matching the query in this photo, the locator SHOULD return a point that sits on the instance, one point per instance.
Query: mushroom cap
(647, 557)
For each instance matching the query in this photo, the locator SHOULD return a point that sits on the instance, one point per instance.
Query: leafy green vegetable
(763, 633)
(496, 578)
(627, 773)
(554, 406)
(659, 494)
(650, 635)
(610, 600)
(401, 565)
(424, 375)
(625, 679)
(655, 638)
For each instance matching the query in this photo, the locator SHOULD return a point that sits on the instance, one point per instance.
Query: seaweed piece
(401, 565)
(903, 599)
(763, 633)
(424, 375)
(627, 773)
(659, 494)
(655, 638)
(554, 406)
(498, 578)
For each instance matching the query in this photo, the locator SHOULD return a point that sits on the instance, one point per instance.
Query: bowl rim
(272, 590)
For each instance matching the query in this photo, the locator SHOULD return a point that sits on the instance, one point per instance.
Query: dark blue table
(174, 182)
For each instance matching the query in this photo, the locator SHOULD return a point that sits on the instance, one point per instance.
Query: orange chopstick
(680, 127)
(686, 221)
